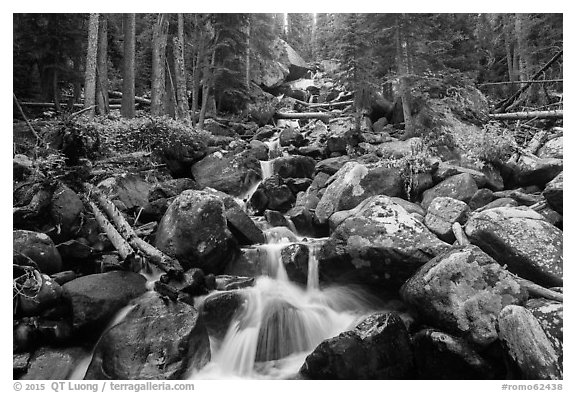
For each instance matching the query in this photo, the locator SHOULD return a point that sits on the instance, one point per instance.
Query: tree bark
(182, 111)
(556, 114)
(247, 76)
(90, 73)
(128, 109)
(159, 40)
(402, 66)
(102, 66)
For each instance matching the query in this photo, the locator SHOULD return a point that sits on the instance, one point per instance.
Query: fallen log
(519, 82)
(140, 100)
(325, 117)
(120, 244)
(331, 104)
(461, 237)
(537, 140)
(157, 257)
(52, 105)
(536, 290)
(555, 114)
(38, 138)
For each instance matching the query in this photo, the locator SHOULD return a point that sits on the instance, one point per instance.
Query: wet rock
(96, 298)
(554, 148)
(442, 213)
(379, 242)
(275, 218)
(550, 315)
(303, 220)
(462, 292)
(298, 185)
(552, 216)
(73, 251)
(295, 260)
(294, 166)
(63, 277)
(20, 364)
(528, 347)
(554, 193)
(537, 171)
(522, 240)
(481, 198)
(272, 194)
(38, 247)
(446, 170)
(227, 283)
(355, 182)
(66, 209)
(192, 282)
(290, 136)
(439, 355)
(182, 152)
(378, 348)
(218, 311)
(54, 363)
(239, 223)
(236, 172)
(259, 149)
(194, 230)
(461, 187)
(158, 339)
(127, 191)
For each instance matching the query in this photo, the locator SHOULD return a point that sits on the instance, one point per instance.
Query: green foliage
(494, 145)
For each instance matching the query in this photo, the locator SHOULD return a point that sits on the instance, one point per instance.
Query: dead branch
(157, 257)
(120, 244)
(519, 82)
(325, 117)
(536, 290)
(38, 138)
(140, 100)
(554, 114)
(461, 237)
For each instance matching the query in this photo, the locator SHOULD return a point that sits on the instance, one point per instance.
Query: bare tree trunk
(159, 40)
(212, 90)
(90, 73)
(205, 92)
(179, 73)
(77, 79)
(401, 53)
(102, 67)
(248, 53)
(56, 89)
(170, 96)
(128, 83)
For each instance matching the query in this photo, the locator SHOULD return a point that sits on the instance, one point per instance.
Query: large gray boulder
(96, 298)
(380, 241)
(461, 187)
(554, 148)
(531, 170)
(127, 191)
(442, 213)
(54, 363)
(377, 348)
(194, 230)
(550, 315)
(355, 182)
(462, 292)
(528, 347)
(158, 339)
(521, 239)
(40, 248)
(554, 193)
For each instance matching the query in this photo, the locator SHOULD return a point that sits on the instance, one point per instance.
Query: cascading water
(281, 322)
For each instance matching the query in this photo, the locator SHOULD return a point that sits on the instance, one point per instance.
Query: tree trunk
(247, 76)
(170, 96)
(77, 79)
(128, 83)
(557, 114)
(90, 73)
(102, 67)
(159, 40)
(402, 66)
(56, 90)
(205, 93)
(182, 111)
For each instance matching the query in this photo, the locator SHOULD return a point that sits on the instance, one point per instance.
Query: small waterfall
(313, 281)
(267, 169)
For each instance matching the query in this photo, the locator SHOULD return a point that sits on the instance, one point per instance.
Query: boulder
(272, 194)
(236, 172)
(550, 315)
(215, 128)
(127, 191)
(332, 165)
(171, 188)
(96, 298)
(66, 209)
(22, 166)
(528, 347)
(554, 193)
(38, 293)
(461, 187)
(499, 202)
(462, 292)
(303, 220)
(481, 198)
(554, 148)
(442, 213)
(531, 170)
(218, 311)
(194, 230)
(521, 239)
(355, 182)
(439, 355)
(239, 223)
(39, 248)
(379, 241)
(377, 348)
(158, 339)
(294, 166)
(446, 170)
(192, 282)
(227, 283)
(54, 363)
(341, 135)
(295, 260)
(290, 136)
